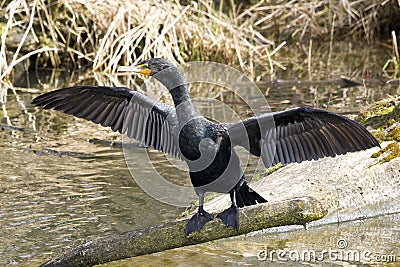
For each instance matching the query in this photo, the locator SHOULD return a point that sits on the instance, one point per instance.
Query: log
(352, 186)
(297, 211)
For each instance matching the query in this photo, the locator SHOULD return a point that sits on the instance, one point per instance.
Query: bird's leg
(199, 219)
(230, 216)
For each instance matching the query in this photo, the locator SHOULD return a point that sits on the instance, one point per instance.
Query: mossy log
(298, 211)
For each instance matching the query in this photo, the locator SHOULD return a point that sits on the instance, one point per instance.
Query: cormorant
(299, 134)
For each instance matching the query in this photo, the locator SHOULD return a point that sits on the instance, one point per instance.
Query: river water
(65, 180)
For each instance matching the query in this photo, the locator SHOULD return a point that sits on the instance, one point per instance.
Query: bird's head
(160, 69)
(148, 67)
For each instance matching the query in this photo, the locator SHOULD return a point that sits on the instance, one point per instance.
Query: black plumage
(288, 136)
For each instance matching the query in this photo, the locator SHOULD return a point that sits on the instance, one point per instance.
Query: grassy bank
(100, 35)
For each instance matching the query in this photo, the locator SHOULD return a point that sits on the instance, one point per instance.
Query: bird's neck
(185, 109)
(176, 84)
(180, 95)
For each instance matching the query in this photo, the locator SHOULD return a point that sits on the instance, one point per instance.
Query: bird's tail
(246, 196)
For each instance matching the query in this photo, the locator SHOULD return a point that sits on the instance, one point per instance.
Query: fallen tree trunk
(351, 186)
(298, 211)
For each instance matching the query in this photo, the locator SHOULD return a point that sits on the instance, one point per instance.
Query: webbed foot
(230, 217)
(197, 221)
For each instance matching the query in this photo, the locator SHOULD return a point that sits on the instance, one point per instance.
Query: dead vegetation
(100, 35)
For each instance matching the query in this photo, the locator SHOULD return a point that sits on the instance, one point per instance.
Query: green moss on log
(379, 114)
(392, 150)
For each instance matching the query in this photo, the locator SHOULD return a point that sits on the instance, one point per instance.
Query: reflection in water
(72, 190)
(67, 200)
(50, 202)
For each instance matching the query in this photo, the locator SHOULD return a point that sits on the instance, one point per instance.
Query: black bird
(294, 136)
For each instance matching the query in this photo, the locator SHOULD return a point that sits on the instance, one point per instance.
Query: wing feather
(300, 134)
(126, 111)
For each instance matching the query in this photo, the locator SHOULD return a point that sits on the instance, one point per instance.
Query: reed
(100, 35)
(104, 34)
(394, 61)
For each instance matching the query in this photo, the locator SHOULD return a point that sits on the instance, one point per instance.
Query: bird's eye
(142, 66)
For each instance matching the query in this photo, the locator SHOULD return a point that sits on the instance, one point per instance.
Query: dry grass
(104, 34)
(392, 65)
(299, 19)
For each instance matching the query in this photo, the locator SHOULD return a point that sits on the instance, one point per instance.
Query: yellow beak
(142, 69)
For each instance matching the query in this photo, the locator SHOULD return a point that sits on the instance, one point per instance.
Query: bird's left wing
(151, 123)
(300, 134)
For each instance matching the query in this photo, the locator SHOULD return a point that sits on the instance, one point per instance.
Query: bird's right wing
(151, 123)
(300, 134)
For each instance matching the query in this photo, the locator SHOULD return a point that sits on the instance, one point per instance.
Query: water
(59, 189)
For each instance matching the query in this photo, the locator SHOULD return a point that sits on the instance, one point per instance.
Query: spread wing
(300, 134)
(151, 123)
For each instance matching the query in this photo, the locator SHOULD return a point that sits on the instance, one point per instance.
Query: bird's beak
(141, 68)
